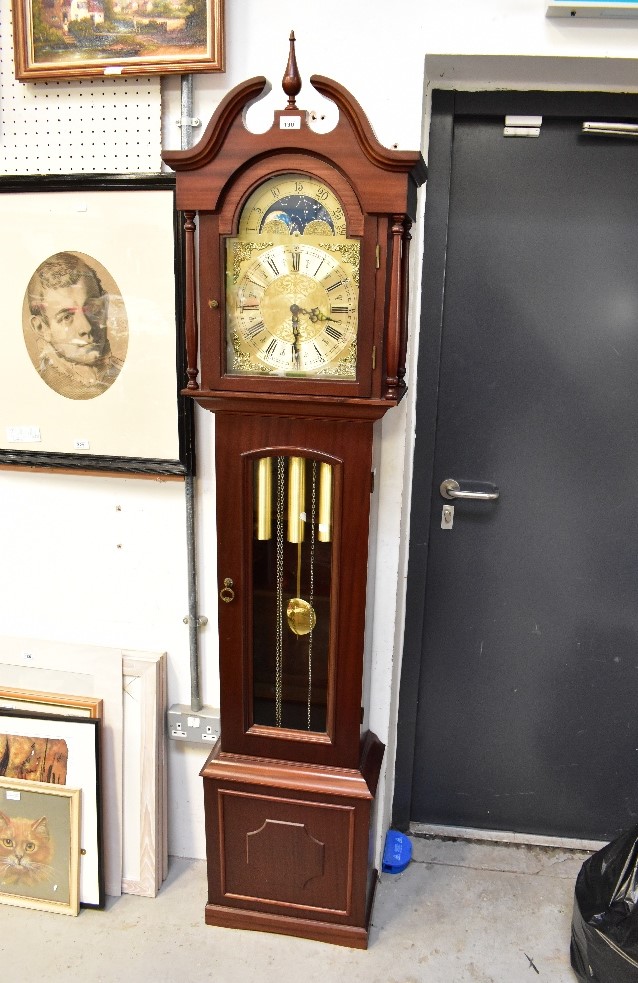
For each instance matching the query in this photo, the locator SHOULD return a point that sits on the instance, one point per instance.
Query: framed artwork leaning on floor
(60, 704)
(39, 846)
(61, 751)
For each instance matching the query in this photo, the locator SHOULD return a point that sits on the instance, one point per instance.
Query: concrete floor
(460, 913)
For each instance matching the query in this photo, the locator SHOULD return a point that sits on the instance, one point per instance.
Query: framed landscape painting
(70, 39)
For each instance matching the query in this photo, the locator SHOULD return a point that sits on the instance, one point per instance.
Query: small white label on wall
(12, 794)
(81, 444)
(23, 435)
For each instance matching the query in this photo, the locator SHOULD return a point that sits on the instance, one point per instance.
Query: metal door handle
(451, 489)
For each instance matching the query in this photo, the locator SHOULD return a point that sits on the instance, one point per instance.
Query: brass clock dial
(292, 309)
(292, 284)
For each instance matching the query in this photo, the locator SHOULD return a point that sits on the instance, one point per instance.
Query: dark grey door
(520, 687)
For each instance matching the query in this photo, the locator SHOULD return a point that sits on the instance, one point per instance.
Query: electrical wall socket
(193, 726)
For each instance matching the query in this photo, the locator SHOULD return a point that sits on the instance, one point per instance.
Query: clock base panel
(288, 845)
(352, 936)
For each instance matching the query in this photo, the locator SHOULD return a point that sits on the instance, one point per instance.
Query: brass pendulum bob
(300, 614)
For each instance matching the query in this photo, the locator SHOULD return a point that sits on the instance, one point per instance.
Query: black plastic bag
(604, 946)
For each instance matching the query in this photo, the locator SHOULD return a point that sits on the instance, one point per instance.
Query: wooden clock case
(288, 809)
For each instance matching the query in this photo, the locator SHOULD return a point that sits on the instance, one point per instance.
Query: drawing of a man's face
(72, 319)
(75, 326)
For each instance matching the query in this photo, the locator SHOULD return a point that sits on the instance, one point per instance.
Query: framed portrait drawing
(39, 846)
(60, 751)
(55, 39)
(92, 364)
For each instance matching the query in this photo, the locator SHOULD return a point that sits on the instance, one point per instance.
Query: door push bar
(611, 129)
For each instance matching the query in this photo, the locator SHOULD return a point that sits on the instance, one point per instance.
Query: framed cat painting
(40, 846)
(60, 751)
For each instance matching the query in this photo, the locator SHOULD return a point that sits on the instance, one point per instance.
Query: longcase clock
(296, 318)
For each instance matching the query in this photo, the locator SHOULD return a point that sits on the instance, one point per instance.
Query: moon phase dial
(293, 204)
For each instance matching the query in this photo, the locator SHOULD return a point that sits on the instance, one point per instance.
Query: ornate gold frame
(55, 49)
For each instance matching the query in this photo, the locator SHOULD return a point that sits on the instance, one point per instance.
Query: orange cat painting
(26, 851)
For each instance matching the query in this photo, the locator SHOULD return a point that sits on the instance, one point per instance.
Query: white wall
(511, 43)
(103, 560)
(520, 27)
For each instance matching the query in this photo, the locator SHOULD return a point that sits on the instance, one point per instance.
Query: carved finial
(291, 81)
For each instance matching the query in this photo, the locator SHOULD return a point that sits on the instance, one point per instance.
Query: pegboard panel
(110, 125)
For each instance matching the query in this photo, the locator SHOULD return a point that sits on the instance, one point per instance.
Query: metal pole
(189, 486)
(193, 618)
(187, 111)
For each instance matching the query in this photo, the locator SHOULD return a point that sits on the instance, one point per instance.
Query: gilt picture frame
(65, 704)
(93, 344)
(46, 820)
(62, 751)
(97, 38)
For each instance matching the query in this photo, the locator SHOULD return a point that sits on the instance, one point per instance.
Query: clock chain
(313, 513)
(279, 573)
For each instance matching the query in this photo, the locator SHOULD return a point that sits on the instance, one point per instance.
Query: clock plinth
(296, 334)
(289, 845)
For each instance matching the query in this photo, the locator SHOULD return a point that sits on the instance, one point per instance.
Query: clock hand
(315, 314)
(294, 310)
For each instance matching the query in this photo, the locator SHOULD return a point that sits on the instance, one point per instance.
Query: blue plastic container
(397, 852)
